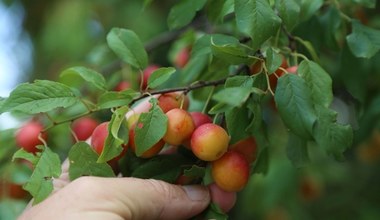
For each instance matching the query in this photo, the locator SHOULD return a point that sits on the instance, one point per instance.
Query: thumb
(154, 199)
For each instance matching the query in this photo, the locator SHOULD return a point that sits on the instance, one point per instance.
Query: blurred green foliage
(67, 33)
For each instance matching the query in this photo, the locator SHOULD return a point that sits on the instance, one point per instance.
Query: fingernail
(196, 193)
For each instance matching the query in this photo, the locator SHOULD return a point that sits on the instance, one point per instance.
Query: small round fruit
(98, 139)
(27, 136)
(180, 126)
(292, 69)
(247, 147)
(153, 151)
(200, 118)
(209, 142)
(273, 78)
(84, 127)
(231, 171)
(12, 190)
(182, 57)
(256, 68)
(123, 85)
(225, 200)
(147, 73)
(169, 101)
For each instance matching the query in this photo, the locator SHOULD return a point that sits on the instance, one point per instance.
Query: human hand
(119, 198)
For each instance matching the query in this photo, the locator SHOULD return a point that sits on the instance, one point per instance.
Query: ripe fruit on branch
(247, 147)
(231, 171)
(200, 118)
(256, 68)
(12, 190)
(154, 150)
(147, 73)
(292, 69)
(123, 85)
(180, 126)
(27, 136)
(83, 127)
(225, 200)
(182, 57)
(169, 101)
(209, 142)
(273, 78)
(98, 139)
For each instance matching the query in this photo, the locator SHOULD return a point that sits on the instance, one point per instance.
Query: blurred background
(39, 39)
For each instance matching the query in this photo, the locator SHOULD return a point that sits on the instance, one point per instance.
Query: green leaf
(334, 138)
(12, 208)
(40, 96)
(318, 81)
(160, 76)
(288, 11)
(261, 165)
(207, 178)
(195, 172)
(296, 150)
(236, 120)
(83, 162)
(256, 19)
(2, 100)
(219, 108)
(233, 96)
(113, 144)
(217, 9)
(88, 75)
(115, 99)
(308, 8)
(367, 3)
(294, 103)
(256, 121)
(151, 128)
(47, 166)
(183, 12)
(363, 41)
(147, 3)
(23, 154)
(214, 212)
(231, 53)
(203, 45)
(128, 47)
(239, 81)
(309, 47)
(273, 61)
(332, 23)
(162, 167)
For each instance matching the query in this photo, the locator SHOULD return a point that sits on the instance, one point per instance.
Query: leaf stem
(208, 99)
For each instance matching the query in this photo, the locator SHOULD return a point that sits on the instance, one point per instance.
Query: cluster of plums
(230, 164)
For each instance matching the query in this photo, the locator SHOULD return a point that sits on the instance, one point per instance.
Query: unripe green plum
(209, 142)
(231, 171)
(180, 126)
